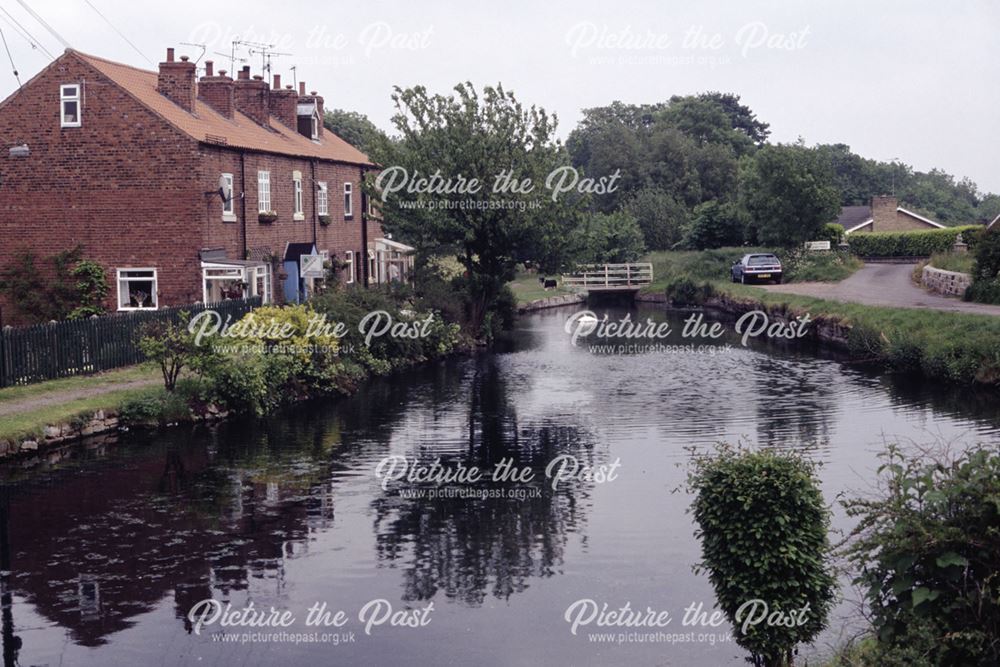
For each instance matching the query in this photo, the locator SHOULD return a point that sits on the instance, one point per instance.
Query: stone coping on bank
(551, 302)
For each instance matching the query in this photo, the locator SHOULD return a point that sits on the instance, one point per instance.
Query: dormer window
(69, 105)
(309, 121)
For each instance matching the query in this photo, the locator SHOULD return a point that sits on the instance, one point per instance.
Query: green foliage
(763, 527)
(789, 194)
(92, 287)
(831, 232)
(951, 261)
(805, 266)
(905, 244)
(985, 285)
(715, 225)
(65, 286)
(170, 345)
(661, 217)
(687, 292)
(475, 135)
(927, 550)
(609, 238)
(354, 128)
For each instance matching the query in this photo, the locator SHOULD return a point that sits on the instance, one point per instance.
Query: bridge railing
(610, 276)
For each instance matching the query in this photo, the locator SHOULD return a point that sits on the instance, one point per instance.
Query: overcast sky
(916, 81)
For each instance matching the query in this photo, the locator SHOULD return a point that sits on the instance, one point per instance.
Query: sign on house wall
(311, 266)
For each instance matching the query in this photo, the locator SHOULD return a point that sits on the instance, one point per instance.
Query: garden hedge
(909, 244)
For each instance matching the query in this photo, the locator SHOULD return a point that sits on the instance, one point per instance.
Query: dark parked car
(759, 267)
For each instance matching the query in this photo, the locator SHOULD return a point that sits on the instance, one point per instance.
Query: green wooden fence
(77, 347)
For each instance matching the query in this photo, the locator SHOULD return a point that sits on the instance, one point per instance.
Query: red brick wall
(134, 191)
(119, 185)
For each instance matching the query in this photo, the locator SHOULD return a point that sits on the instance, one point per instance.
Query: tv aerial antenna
(265, 51)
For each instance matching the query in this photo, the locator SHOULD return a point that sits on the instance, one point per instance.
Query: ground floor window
(137, 289)
(222, 283)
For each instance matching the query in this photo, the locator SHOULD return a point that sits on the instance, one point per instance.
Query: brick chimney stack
(216, 90)
(252, 97)
(283, 103)
(884, 213)
(176, 81)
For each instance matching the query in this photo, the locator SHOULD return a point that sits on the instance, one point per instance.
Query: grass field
(527, 288)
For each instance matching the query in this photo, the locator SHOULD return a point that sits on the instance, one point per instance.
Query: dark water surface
(110, 549)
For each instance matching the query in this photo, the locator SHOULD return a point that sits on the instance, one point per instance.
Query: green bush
(985, 285)
(686, 292)
(763, 529)
(906, 244)
(927, 550)
(802, 266)
(831, 232)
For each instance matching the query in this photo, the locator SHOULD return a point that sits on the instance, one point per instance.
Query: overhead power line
(23, 32)
(45, 25)
(120, 33)
(10, 57)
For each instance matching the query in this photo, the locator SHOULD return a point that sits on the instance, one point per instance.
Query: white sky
(913, 80)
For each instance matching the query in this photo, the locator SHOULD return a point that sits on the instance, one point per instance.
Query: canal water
(109, 550)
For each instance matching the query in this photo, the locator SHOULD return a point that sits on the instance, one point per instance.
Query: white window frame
(263, 191)
(314, 126)
(349, 266)
(262, 271)
(322, 199)
(75, 97)
(222, 273)
(298, 211)
(348, 199)
(153, 297)
(229, 206)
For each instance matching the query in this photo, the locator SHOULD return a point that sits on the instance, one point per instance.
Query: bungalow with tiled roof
(883, 215)
(184, 189)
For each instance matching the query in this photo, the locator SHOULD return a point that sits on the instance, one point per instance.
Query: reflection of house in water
(92, 557)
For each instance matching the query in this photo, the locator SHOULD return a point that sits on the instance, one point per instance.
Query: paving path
(884, 285)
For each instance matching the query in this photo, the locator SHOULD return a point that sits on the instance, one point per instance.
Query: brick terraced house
(186, 190)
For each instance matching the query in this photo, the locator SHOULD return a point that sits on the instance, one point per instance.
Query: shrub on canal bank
(262, 371)
(927, 550)
(763, 529)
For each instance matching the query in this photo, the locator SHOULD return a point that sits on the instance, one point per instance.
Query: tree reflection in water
(471, 547)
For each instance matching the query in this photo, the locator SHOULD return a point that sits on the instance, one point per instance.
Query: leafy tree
(475, 136)
(763, 529)
(611, 238)
(173, 347)
(661, 217)
(705, 121)
(353, 127)
(789, 193)
(741, 118)
(716, 225)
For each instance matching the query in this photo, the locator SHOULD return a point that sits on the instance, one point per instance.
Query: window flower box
(267, 217)
(325, 220)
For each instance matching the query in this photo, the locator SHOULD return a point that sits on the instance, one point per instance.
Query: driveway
(883, 285)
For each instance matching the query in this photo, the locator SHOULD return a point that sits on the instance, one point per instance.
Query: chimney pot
(258, 77)
(170, 55)
(209, 67)
(222, 72)
(288, 87)
(313, 93)
(302, 88)
(184, 59)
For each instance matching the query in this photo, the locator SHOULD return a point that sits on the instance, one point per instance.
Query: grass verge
(526, 288)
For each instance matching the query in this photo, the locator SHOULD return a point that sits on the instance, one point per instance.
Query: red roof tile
(208, 126)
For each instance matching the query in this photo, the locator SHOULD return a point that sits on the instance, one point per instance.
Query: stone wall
(948, 283)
